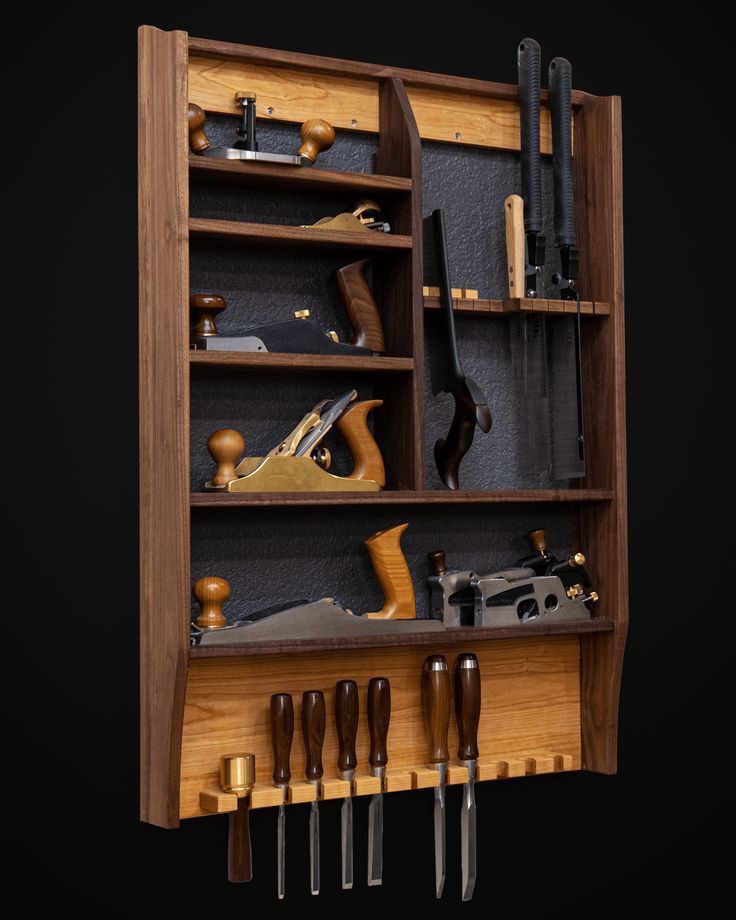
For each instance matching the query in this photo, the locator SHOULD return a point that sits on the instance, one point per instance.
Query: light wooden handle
(211, 592)
(226, 447)
(515, 245)
(367, 459)
(198, 140)
(393, 574)
(203, 309)
(317, 135)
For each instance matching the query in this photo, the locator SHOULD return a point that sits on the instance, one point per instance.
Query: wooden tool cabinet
(550, 693)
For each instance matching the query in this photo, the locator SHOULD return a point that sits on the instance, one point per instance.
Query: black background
(579, 844)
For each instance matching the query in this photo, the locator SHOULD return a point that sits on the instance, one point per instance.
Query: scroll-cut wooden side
(351, 102)
(530, 694)
(163, 204)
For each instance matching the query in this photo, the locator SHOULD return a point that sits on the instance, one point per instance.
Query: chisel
(282, 734)
(346, 722)
(436, 699)
(467, 712)
(313, 732)
(379, 715)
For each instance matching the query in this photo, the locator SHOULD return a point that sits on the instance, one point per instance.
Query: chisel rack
(413, 141)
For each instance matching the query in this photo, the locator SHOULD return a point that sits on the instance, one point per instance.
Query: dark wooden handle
(282, 734)
(449, 451)
(467, 705)
(361, 307)
(198, 140)
(436, 699)
(313, 731)
(437, 562)
(379, 716)
(346, 722)
(203, 310)
(317, 136)
(239, 861)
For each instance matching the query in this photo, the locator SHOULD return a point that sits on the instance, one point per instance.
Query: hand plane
(299, 335)
(316, 135)
(366, 215)
(540, 588)
(323, 618)
(298, 463)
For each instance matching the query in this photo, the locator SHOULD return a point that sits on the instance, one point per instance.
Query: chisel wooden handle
(379, 716)
(346, 723)
(282, 734)
(436, 700)
(467, 705)
(313, 732)
(361, 307)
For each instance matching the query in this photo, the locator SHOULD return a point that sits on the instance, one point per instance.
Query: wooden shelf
(294, 178)
(428, 497)
(236, 231)
(429, 638)
(521, 305)
(274, 361)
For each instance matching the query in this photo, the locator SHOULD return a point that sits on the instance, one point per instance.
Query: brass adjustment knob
(302, 314)
(204, 308)
(575, 591)
(576, 559)
(593, 596)
(211, 592)
(226, 447)
(238, 773)
(322, 457)
(538, 540)
(437, 562)
(245, 96)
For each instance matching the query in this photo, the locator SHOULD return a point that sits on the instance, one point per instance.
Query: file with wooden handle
(313, 733)
(379, 716)
(467, 711)
(282, 734)
(346, 724)
(436, 703)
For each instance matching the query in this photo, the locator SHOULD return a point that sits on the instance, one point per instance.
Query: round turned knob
(437, 562)
(538, 541)
(211, 592)
(198, 140)
(317, 135)
(205, 308)
(226, 447)
(576, 559)
(238, 773)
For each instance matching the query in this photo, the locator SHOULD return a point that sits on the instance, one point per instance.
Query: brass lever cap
(238, 773)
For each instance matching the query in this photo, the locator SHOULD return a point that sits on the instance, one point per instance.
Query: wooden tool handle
(282, 734)
(313, 731)
(353, 426)
(393, 575)
(436, 702)
(239, 859)
(198, 140)
(226, 446)
(538, 540)
(379, 716)
(317, 136)
(467, 705)
(211, 592)
(346, 722)
(449, 451)
(204, 308)
(515, 245)
(361, 306)
(437, 562)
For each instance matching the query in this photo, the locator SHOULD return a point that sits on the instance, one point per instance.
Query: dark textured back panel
(282, 554)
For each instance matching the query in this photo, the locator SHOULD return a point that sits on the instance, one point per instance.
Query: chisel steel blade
(375, 840)
(468, 840)
(281, 853)
(440, 854)
(314, 849)
(346, 828)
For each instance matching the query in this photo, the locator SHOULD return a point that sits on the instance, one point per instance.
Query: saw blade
(568, 461)
(529, 356)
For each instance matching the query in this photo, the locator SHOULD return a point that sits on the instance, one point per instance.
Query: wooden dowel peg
(226, 447)
(211, 592)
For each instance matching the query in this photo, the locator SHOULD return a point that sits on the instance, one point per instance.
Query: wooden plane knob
(538, 540)
(198, 140)
(211, 592)
(437, 562)
(317, 135)
(226, 447)
(204, 308)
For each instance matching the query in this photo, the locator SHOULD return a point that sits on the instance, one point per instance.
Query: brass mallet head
(238, 773)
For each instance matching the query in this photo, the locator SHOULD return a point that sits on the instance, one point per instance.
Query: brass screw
(353, 122)
(301, 314)
(576, 559)
(594, 596)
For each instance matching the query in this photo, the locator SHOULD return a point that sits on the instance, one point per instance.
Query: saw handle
(467, 705)
(361, 306)
(353, 426)
(203, 309)
(313, 732)
(560, 98)
(449, 451)
(211, 593)
(379, 716)
(282, 735)
(317, 135)
(198, 140)
(393, 575)
(436, 701)
(346, 723)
